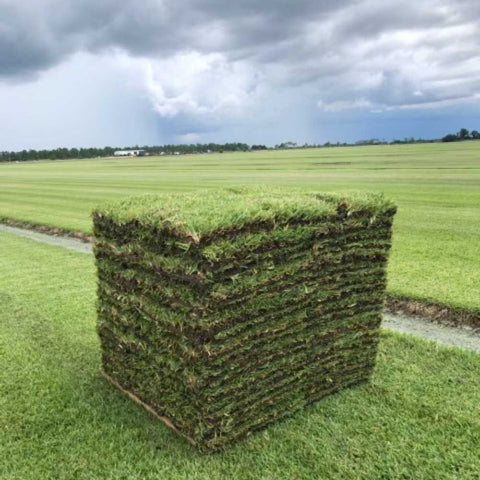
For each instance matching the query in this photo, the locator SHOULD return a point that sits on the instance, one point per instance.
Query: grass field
(437, 187)
(418, 419)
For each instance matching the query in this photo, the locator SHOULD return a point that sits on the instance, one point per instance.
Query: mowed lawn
(437, 187)
(418, 419)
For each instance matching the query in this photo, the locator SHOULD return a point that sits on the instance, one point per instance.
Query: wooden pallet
(147, 407)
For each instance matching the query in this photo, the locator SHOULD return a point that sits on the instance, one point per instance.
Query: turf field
(437, 187)
(418, 419)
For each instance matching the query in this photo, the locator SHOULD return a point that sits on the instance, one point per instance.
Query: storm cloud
(217, 60)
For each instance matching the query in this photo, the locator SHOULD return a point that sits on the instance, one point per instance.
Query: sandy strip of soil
(420, 327)
(412, 324)
(60, 241)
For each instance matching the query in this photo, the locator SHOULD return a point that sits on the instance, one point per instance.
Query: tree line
(66, 153)
(71, 153)
(462, 134)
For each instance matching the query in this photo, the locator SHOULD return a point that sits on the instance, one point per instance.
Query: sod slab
(224, 311)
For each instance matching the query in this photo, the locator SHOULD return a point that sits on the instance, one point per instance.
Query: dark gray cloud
(37, 34)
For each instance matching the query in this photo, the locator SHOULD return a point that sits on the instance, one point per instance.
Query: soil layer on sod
(223, 311)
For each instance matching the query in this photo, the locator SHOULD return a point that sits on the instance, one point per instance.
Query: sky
(85, 73)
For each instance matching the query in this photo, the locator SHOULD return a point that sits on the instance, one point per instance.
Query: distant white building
(130, 153)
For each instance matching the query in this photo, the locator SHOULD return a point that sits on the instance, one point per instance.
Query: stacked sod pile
(225, 311)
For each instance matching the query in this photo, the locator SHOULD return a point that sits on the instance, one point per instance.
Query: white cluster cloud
(194, 83)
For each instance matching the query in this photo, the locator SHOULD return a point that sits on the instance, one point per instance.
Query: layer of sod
(226, 310)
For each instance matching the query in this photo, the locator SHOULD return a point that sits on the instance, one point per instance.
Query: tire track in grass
(409, 324)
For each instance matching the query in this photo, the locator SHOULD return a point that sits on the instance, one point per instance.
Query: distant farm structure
(130, 153)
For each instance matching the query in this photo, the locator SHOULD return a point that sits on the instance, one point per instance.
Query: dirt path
(414, 325)
(60, 241)
(420, 327)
